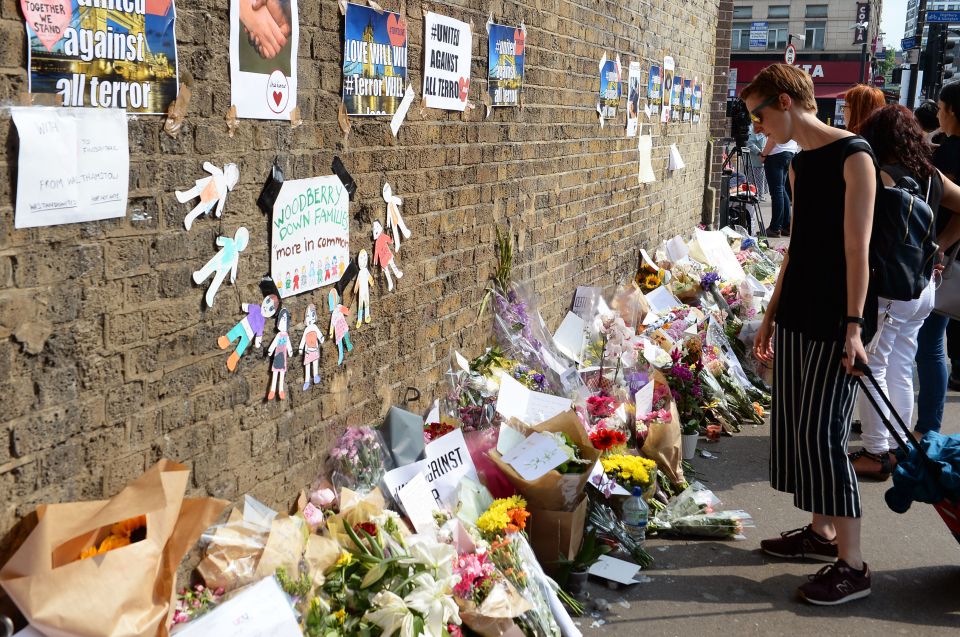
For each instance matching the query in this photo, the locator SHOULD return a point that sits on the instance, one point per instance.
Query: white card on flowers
(536, 456)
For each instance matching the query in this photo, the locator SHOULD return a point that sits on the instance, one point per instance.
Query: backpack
(903, 244)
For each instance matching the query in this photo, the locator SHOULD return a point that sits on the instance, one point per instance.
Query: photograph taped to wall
(374, 61)
(505, 65)
(98, 57)
(263, 58)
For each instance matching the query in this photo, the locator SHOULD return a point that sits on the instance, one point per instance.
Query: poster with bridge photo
(446, 69)
(653, 90)
(264, 36)
(505, 64)
(374, 61)
(110, 58)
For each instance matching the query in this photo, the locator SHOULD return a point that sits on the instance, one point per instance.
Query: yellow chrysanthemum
(340, 615)
(345, 559)
(633, 470)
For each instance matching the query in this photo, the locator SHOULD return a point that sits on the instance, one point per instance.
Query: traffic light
(896, 76)
(951, 61)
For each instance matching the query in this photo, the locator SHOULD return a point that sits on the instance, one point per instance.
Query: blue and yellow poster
(687, 99)
(653, 89)
(610, 88)
(505, 66)
(87, 54)
(374, 61)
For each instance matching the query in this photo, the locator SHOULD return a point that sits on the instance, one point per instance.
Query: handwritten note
(536, 456)
(74, 165)
(417, 500)
(259, 610)
(527, 406)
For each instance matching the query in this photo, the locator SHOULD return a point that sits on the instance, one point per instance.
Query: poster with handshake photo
(263, 57)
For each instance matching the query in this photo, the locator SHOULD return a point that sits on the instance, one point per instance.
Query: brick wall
(108, 360)
(719, 123)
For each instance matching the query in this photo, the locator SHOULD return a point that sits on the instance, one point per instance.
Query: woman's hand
(763, 342)
(853, 350)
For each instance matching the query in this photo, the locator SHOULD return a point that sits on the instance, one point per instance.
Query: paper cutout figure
(394, 219)
(223, 262)
(310, 346)
(250, 327)
(281, 350)
(361, 287)
(211, 190)
(382, 254)
(339, 330)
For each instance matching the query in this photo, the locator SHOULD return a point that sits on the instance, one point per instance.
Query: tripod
(741, 208)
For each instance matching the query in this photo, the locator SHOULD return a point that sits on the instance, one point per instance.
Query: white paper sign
(446, 70)
(74, 165)
(536, 456)
(263, 76)
(613, 569)
(508, 439)
(585, 301)
(662, 300)
(310, 244)
(645, 160)
(418, 501)
(447, 461)
(569, 337)
(677, 249)
(634, 81)
(643, 399)
(257, 611)
(674, 160)
(529, 407)
(717, 252)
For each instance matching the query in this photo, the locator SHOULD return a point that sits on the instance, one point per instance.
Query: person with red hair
(860, 102)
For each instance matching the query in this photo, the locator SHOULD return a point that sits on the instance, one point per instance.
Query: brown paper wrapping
(556, 535)
(125, 592)
(555, 491)
(663, 442)
(494, 617)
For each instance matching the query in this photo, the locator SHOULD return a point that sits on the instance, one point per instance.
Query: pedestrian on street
(859, 103)
(776, 158)
(817, 320)
(755, 143)
(926, 114)
(931, 354)
(902, 151)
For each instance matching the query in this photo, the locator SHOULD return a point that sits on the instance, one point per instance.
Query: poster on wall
(263, 58)
(676, 99)
(74, 165)
(446, 69)
(610, 87)
(374, 61)
(697, 101)
(310, 245)
(687, 99)
(667, 90)
(653, 90)
(103, 57)
(505, 64)
(634, 77)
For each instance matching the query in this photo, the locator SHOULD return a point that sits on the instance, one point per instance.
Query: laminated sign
(310, 244)
(107, 54)
(505, 66)
(263, 58)
(374, 61)
(446, 70)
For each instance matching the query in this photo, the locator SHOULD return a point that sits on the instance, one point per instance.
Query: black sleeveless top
(813, 295)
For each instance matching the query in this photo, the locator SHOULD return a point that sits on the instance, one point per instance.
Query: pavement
(730, 587)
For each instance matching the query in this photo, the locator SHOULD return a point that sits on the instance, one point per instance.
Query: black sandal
(886, 467)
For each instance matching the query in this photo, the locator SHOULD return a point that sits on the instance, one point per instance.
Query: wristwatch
(853, 319)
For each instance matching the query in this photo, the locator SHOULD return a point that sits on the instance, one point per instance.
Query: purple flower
(749, 242)
(708, 280)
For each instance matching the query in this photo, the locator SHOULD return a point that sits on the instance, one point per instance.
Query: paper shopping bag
(123, 592)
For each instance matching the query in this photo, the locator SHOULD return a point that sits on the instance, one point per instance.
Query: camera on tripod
(739, 122)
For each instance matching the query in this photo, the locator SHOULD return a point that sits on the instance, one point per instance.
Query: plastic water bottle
(635, 515)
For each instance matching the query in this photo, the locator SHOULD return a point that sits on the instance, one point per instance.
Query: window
(816, 11)
(814, 32)
(740, 36)
(776, 36)
(779, 11)
(742, 13)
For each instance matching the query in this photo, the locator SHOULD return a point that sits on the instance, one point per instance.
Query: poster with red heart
(264, 35)
(105, 55)
(448, 44)
(374, 61)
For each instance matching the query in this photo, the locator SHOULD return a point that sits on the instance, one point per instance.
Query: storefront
(832, 76)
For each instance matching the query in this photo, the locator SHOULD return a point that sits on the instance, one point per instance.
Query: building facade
(826, 43)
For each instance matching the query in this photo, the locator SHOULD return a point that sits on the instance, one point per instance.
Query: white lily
(437, 556)
(391, 615)
(433, 599)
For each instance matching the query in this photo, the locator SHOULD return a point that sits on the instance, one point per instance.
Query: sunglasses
(770, 101)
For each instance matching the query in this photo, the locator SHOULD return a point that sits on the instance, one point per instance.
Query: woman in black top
(813, 323)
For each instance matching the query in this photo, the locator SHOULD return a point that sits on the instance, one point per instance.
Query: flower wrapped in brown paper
(663, 443)
(124, 592)
(494, 616)
(555, 491)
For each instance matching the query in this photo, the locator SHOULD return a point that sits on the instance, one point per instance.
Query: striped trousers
(813, 400)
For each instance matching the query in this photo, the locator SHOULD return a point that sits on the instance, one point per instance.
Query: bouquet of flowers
(359, 459)
(686, 281)
(609, 527)
(648, 277)
(630, 471)
(687, 392)
(194, 602)
(694, 513)
(494, 363)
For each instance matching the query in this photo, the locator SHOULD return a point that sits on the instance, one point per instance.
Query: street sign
(758, 36)
(879, 81)
(941, 17)
(909, 43)
(790, 55)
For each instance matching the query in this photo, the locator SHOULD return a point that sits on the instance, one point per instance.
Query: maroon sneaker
(802, 543)
(835, 584)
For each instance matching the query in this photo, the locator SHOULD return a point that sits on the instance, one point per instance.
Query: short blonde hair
(783, 78)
